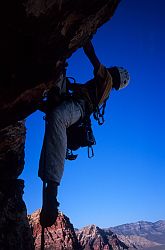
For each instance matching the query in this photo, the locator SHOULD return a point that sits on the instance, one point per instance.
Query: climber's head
(120, 77)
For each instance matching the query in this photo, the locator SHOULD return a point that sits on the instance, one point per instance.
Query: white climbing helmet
(124, 77)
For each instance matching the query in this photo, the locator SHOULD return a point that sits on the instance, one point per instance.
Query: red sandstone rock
(59, 236)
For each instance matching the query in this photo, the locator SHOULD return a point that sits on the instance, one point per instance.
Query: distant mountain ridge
(154, 231)
(142, 234)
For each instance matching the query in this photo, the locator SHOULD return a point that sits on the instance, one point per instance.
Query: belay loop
(99, 113)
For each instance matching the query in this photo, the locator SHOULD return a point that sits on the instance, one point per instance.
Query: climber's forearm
(90, 52)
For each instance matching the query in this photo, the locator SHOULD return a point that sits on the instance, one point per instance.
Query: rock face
(36, 38)
(59, 236)
(12, 141)
(15, 232)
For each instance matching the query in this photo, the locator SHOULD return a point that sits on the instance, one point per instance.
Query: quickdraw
(90, 152)
(99, 113)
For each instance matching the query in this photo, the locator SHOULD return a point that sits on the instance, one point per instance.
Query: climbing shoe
(49, 210)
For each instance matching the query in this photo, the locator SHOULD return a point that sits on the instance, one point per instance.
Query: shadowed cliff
(36, 36)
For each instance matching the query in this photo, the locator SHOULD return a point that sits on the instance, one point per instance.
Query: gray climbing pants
(52, 158)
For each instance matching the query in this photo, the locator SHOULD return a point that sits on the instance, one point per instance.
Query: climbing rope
(44, 183)
(43, 229)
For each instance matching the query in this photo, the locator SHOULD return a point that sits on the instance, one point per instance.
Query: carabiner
(90, 152)
(101, 119)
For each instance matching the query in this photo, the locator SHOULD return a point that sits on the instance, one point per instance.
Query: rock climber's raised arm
(90, 52)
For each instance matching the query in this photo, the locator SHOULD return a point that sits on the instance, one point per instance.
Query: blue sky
(124, 182)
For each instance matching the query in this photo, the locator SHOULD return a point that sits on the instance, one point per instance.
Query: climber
(84, 99)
